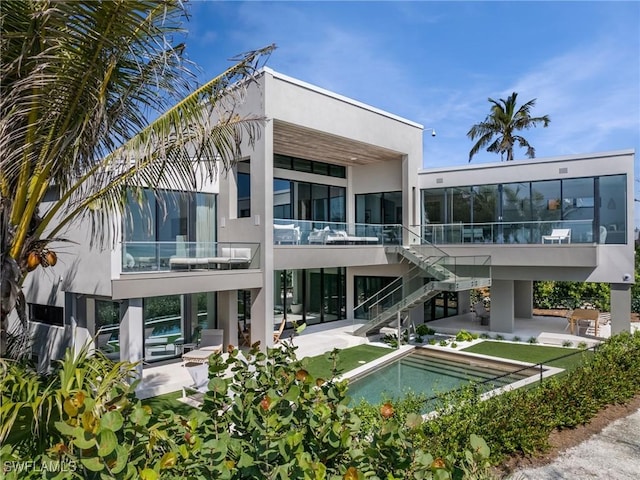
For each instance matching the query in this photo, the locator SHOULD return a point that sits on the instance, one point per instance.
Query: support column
(132, 332)
(464, 302)
(262, 327)
(523, 298)
(502, 311)
(228, 316)
(211, 309)
(620, 307)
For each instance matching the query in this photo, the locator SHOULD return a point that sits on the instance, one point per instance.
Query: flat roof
(563, 158)
(342, 98)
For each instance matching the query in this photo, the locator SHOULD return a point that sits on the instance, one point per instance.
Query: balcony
(188, 256)
(304, 232)
(581, 232)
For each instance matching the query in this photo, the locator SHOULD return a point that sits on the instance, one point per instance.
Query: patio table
(583, 314)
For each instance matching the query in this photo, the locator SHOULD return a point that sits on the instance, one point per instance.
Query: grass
(531, 353)
(168, 401)
(348, 359)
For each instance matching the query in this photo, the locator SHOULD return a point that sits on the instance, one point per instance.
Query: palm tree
(501, 124)
(79, 82)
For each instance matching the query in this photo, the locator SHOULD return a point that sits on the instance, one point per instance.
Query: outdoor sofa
(327, 236)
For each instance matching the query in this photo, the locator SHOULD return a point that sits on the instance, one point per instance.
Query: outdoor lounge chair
(108, 350)
(210, 344)
(278, 333)
(199, 372)
(558, 235)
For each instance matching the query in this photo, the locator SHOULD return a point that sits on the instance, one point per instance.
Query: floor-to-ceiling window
(282, 198)
(169, 223)
(594, 208)
(612, 211)
(107, 328)
(443, 305)
(243, 179)
(162, 326)
(379, 208)
(366, 287)
(308, 201)
(313, 295)
(578, 207)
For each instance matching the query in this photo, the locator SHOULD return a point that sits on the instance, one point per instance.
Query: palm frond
(503, 120)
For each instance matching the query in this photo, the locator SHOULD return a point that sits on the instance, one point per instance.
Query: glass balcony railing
(305, 232)
(176, 256)
(579, 231)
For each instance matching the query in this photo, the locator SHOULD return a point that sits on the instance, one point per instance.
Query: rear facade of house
(330, 216)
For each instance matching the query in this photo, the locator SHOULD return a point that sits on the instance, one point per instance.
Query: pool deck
(318, 339)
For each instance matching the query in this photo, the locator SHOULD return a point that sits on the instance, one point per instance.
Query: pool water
(431, 373)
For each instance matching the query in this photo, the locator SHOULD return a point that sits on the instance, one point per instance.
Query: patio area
(321, 338)
(550, 330)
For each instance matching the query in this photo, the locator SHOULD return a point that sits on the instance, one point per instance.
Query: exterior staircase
(444, 273)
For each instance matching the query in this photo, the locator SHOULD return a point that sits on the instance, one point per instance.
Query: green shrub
(282, 423)
(520, 421)
(464, 336)
(424, 330)
(532, 340)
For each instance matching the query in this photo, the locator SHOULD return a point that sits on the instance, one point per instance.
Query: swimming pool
(430, 372)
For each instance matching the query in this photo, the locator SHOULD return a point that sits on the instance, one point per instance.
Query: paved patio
(321, 338)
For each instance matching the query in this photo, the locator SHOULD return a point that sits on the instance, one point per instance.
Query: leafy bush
(464, 336)
(520, 421)
(281, 423)
(424, 330)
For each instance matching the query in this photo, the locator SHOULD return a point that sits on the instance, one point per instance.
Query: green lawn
(168, 401)
(531, 353)
(348, 359)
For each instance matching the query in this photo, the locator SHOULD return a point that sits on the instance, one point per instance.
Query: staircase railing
(401, 295)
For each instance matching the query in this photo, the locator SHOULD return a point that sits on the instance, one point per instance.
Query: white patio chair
(558, 235)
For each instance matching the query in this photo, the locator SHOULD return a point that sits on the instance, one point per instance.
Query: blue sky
(436, 63)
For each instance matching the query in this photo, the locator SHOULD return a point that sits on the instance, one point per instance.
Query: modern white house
(332, 217)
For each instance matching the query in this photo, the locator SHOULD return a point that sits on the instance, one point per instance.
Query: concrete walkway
(612, 454)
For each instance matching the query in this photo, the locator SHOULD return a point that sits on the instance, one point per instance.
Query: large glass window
(365, 288)
(161, 227)
(49, 314)
(578, 201)
(309, 166)
(312, 201)
(107, 328)
(244, 195)
(162, 326)
(612, 210)
(311, 295)
(384, 208)
(443, 305)
(282, 199)
(337, 207)
(320, 194)
(140, 218)
(594, 208)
